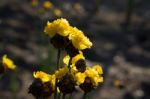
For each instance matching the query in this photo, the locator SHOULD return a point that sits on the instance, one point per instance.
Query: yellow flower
(98, 69)
(94, 75)
(44, 77)
(8, 63)
(47, 5)
(79, 40)
(74, 59)
(73, 69)
(61, 72)
(52, 81)
(79, 78)
(43, 85)
(57, 12)
(66, 59)
(59, 26)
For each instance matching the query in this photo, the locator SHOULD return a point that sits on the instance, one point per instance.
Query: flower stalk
(64, 95)
(58, 58)
(84, 96)
(69, 64)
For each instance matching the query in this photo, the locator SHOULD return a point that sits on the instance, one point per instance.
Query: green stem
(69, 64)
(1, 76)
(40, 98)
(59, 96)
(70, 97)
(129, 12)
(85, 96)
(64, 95)
(58, 58)
(57, 67)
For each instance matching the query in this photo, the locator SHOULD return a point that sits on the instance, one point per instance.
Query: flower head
(44, 77)
(66, 84)
(59, 26)
(8, 63)
(89, 79)
(43, 84)
(77, 62)
(94, 74)
(79, 40)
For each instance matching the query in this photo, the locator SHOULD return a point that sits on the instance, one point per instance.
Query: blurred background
(119, 30)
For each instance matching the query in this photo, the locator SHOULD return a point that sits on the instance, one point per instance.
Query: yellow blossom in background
(79, 40)
(77, 6)
(41, 11)
(59, 26)
(118, 83)
(74, 59)
(47, 5)
(44, 77)
(57, 12)
(34, 3)
(8, 63)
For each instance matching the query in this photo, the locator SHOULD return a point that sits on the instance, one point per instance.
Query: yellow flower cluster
(7, 63)
(75, 71)
(94, 74)
(63, 28)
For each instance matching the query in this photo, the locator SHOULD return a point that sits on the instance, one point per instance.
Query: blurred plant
(129, 12)
(47, 5)
(6, 64)
(74, 72)
(14, 85)
(118, 83)
(34, 3)
(57, 12)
